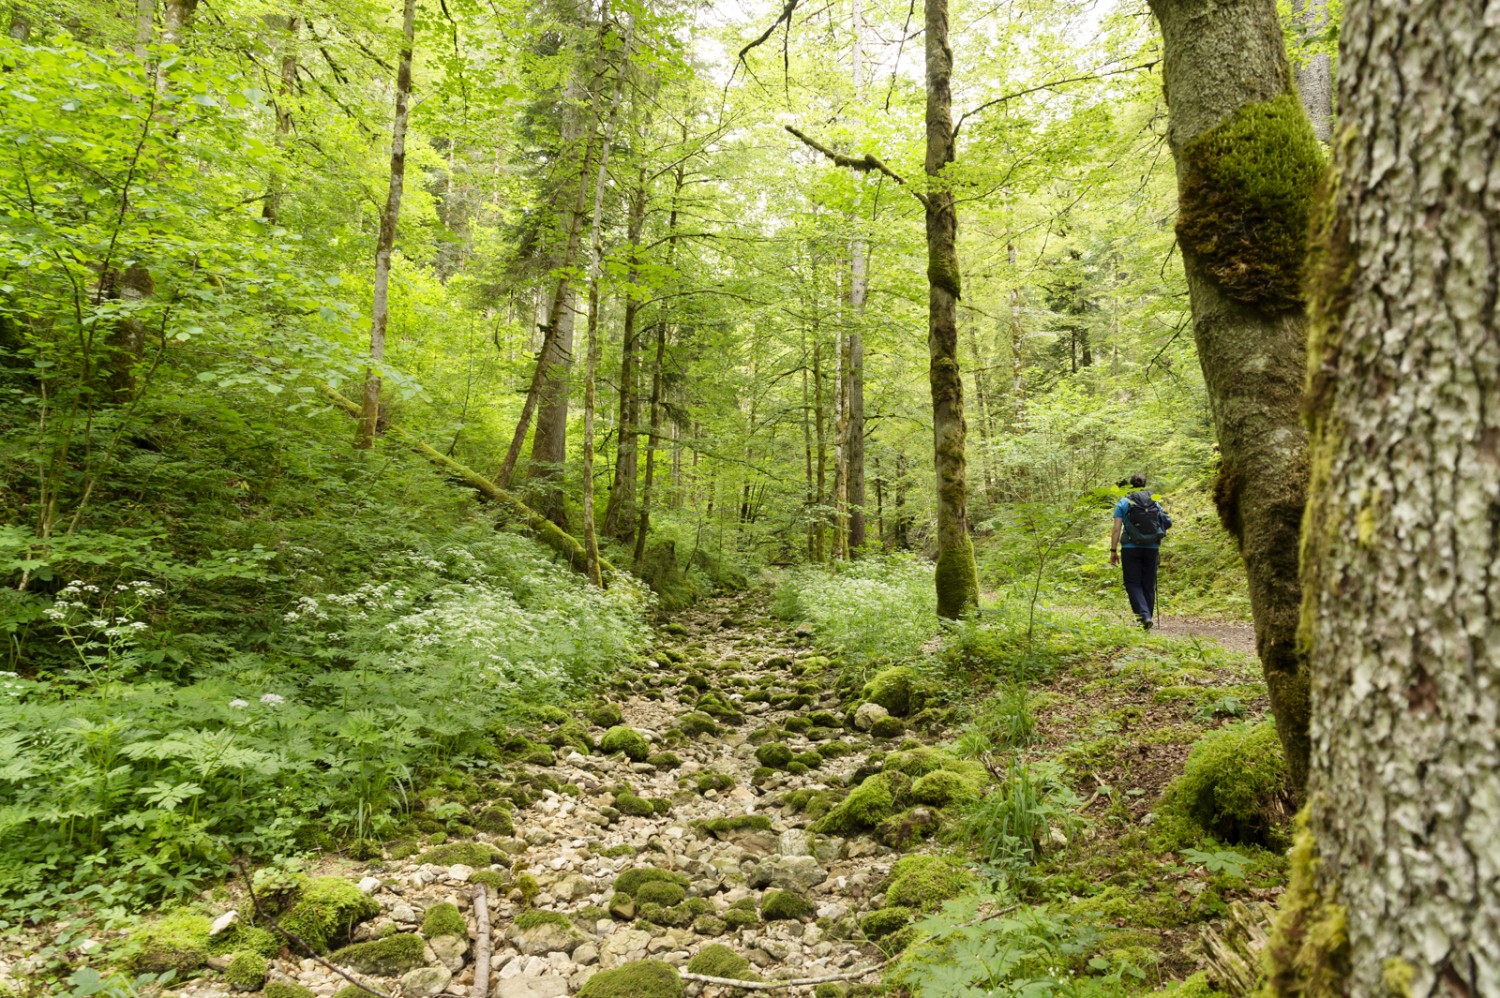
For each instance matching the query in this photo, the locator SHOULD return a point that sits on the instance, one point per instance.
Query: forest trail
(1232, 635)
(732, 843)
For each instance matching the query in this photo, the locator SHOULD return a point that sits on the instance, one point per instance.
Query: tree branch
(867, 163)
(1047, 86)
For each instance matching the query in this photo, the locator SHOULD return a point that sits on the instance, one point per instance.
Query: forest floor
(1117, 725)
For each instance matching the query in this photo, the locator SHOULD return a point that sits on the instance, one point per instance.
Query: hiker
(1141, 524)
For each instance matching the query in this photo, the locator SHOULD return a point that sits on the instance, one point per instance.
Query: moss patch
(864, 809)
(881, 923)
(287, 989)
(785, 906)
(925, 882)
(246, 972)
(178, 941)
(625, 740)
(1234, 787)
(898, 690)
(661, 892)
(642, 979)
(945, 787)
(1245, 198)
(631, 881)
(462, 853)
(718, 960)
(386, 957)
(444, 919)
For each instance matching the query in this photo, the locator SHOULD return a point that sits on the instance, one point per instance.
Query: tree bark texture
(271, 210)
(386, 242)
(957, 578)
(1402, 558)
(644, 526)
(1315, 76)
(1233, 121)
(619, 517)
(859, 283)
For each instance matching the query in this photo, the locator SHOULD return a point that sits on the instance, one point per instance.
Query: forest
(645, 498)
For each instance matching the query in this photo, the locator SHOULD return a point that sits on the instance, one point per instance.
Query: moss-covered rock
(864, 809)
(495, 821)
(785, 906)
(177, 941)
(633, 805)
(642, 979)
(1246, 197)
(606, 715)
(326, 911)
(710, 925)
(897, 689)
(444, 919)
(494, 879)
(625, 740)
(713, 781)
(888, 728)
(664, 760)
(721, 827)
(906, 829)
(718, 960)
(246, 972)
(526, 887)
(1233, 787)
(661, 892)
(478, 854)
(388, 957)
(945, 787)
(291, 989)
(698, 723)
(774, 755)
(882, 922)
(925, 882)
(631, 881)
(243, 937)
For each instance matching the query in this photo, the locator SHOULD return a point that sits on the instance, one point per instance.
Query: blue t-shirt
(1122, 510)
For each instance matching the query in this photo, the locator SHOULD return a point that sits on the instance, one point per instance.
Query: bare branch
(868, 163)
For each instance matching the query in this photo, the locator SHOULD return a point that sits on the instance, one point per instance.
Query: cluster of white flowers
(307, 608)
(238, 704)
(271, 699)
(9, 682)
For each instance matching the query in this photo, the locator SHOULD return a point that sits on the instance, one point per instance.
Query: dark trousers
(1139, 567)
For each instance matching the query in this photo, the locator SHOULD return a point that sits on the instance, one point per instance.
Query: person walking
(1135, 545)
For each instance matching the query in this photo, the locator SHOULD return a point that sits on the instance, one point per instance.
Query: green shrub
(1010, 823)
(1233, 787)
(879, 608)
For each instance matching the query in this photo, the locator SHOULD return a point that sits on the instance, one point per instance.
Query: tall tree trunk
(810, 495)
(619, 518)
(1400, 855)
(821, 464)
(380, 309)
(271, 210)
(854, 348)
(1315, 75)
(1234, 124)
(644, 526)
(145, 27)
(981, 401)
(1017, 362)
(956, 575)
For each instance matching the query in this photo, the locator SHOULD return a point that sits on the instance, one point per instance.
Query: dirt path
(1233, 635)
(728, 672)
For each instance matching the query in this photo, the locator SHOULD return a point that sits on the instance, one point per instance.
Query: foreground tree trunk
(1401, 857)
(1247, 163)
(385, 243)
(957, 577)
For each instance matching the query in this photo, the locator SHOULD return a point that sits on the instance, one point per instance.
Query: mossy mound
(719, 827)
(444, 919)
(718, 960)
(785, 906)
(477, 854)
(882, 922)
(625, 740)
(631, 881)
(642, 979)
(741, 914)
(289, 989)
(897, 689)
(388, 957)
(774, 755)
(925, 882)
(633, 805)
(534, 919)
(1234, 788)
(496, 821)
(713, 781)
(246, 972)
(698, 723)
(177, 941)
(1246, 197)
(493, 879)
(863, 810)
(945, 787)
(888, 728)
(242, 937)
(904, 830)
(662, 892)
(664, 760)
(606, 715)
(326, 911)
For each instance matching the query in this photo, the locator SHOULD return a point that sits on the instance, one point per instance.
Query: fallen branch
(262, 916)
(481, 987)
(867, 163)
(800, 982)
(543, 529)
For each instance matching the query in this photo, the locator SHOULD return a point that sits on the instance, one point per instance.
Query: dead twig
(800, 982)
(481, 987)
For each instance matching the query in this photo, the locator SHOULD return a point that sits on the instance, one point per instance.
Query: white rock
(369, 885)
(546, 986)
(223, 923)
(867, 714)
(424, 982)
(460, 873)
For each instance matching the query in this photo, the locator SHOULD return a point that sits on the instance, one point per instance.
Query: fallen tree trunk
(539, 526)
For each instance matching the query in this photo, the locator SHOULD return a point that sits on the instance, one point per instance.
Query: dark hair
(1138, 480)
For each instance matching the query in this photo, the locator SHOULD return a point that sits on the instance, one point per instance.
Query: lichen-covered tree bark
(1247, 165)
(1397, 889)
(957, 577)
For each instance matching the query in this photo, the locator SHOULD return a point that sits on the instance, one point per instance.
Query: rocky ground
(737, 857)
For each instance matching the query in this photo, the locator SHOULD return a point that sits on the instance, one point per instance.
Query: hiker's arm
(1114, 543)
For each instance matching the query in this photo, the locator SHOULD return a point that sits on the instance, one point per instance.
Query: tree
(957, 576)
(1247, 164)
(1315, 71)
(1394, 875)
(385, 243)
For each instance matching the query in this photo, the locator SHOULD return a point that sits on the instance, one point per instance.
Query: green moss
(245, 937)
(888, 727)
(710, 925)
(606, 715)
(177, 941)
(290, 989)
(665, 760)
(1245, 199)
(615, 852)
(527, 887)
(642, 979)
(903, 830)
(534, 919)
(327, 910)
(246, 972)
(476, 854)
(736, 823)
(627, 740)
(444, 919)
(881, 923)
(785, 906)
(1233, 787)
(388, 957)
(774, 755)
(828, 989)
(1308, 950)
(897, 689)
(866, 807)
(833, 750)
(637, 807)
(661, 892)
(493, 879)
(957, 580)
(714, 781)
(631, 881)
(740, 918)
(945, 787)
(925, 882)
(496, 821)
(698, 723)
(718, 960)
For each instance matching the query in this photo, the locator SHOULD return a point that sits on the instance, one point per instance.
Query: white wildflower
(237, 703)
(273, 698)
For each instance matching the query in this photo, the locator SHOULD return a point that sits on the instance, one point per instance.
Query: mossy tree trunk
(1247, 164)
(619, 517)
(1401, 564)
(957, 577)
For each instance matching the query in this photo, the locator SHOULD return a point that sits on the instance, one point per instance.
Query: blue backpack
(1146, 522)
